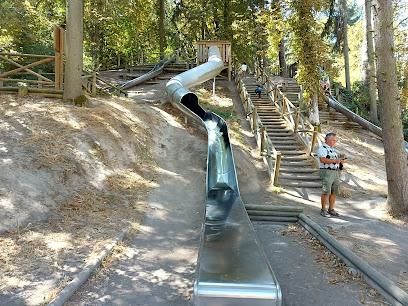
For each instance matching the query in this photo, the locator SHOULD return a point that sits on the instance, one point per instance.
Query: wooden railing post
(254, 119)
(275, 94)
(59, 57)
(94, 84)
(39, 85)
(314, 138)
(284, 105)
(297, 119)
(262, 139)
(268, 86)
(278, 158)
(247, 106)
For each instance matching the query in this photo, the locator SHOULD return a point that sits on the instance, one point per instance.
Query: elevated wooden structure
(225, 51)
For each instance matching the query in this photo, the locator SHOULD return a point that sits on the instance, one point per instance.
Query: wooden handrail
(291, 114)
(271, 156)
(27, 55)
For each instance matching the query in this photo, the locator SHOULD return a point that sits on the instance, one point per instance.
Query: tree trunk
(371, 64)
(283, 69)
(226, 30)
(162, 33)
(314, 110)
(365, 77)
(74, 50)
(395, 155)
(345, 43)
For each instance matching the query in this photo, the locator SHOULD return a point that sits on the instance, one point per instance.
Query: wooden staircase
(327, 115)
(297, 168)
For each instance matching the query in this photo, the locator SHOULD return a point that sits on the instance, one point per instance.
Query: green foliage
(308, 47)
(358, 99)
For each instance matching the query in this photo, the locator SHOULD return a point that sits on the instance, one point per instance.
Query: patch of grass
(277, 189)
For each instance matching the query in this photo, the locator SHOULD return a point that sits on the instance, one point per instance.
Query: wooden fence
(12, 76)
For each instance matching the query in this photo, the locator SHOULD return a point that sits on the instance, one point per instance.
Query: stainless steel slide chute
(232, 268)
(330, 100)
(157, 69)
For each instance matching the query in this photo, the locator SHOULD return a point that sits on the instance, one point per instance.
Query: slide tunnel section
(232, 268)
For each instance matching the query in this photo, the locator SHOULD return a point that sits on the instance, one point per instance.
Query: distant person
(329, 163)
(326, 88)
(244, 68)
(258, 91)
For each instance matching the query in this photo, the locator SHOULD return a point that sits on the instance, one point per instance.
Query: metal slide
(157, 69)
(232, 268)
(356, 118)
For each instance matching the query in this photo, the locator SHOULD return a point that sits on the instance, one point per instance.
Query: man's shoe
(333, 212)
(324, 213)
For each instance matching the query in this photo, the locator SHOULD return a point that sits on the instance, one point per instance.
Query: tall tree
(309, 50)
(369, 73)
(74, 50)
(162, 33)
(343, 14)
(340, 16)
(395, 155)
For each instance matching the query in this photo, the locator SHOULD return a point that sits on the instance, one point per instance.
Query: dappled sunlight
(93, 166)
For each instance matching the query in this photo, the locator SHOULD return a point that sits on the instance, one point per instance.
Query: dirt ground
(72, 177)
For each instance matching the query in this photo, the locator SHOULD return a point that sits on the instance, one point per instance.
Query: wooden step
(296, 176)
(298, 170)
(290, 152)
(295, 158)
(299, 184)
(291, 149)
(289, 163)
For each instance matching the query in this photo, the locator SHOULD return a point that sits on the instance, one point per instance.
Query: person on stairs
(329, 163)
(258, 91)
(244, 68)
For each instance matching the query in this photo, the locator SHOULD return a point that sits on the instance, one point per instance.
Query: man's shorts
(330, 180)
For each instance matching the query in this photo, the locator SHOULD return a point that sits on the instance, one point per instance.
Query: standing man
(244, 69)
(329, 163)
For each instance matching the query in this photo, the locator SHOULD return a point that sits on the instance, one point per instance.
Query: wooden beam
(25, 68)
(27, 81)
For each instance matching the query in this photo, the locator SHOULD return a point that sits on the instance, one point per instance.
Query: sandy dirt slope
(71, 178)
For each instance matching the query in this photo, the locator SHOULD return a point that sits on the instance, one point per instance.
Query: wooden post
(22, 89)
(284, 105)
(313, 140)
(177, 56)
(278, 158)
(262, 139)
(39, 85)
(141, 59)
(94, 84)
(268, 86)
(59, 56)
(275, 94)
(297, 118)
(1, 82)
(118, 60)
(254, 119)
(247, 106)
